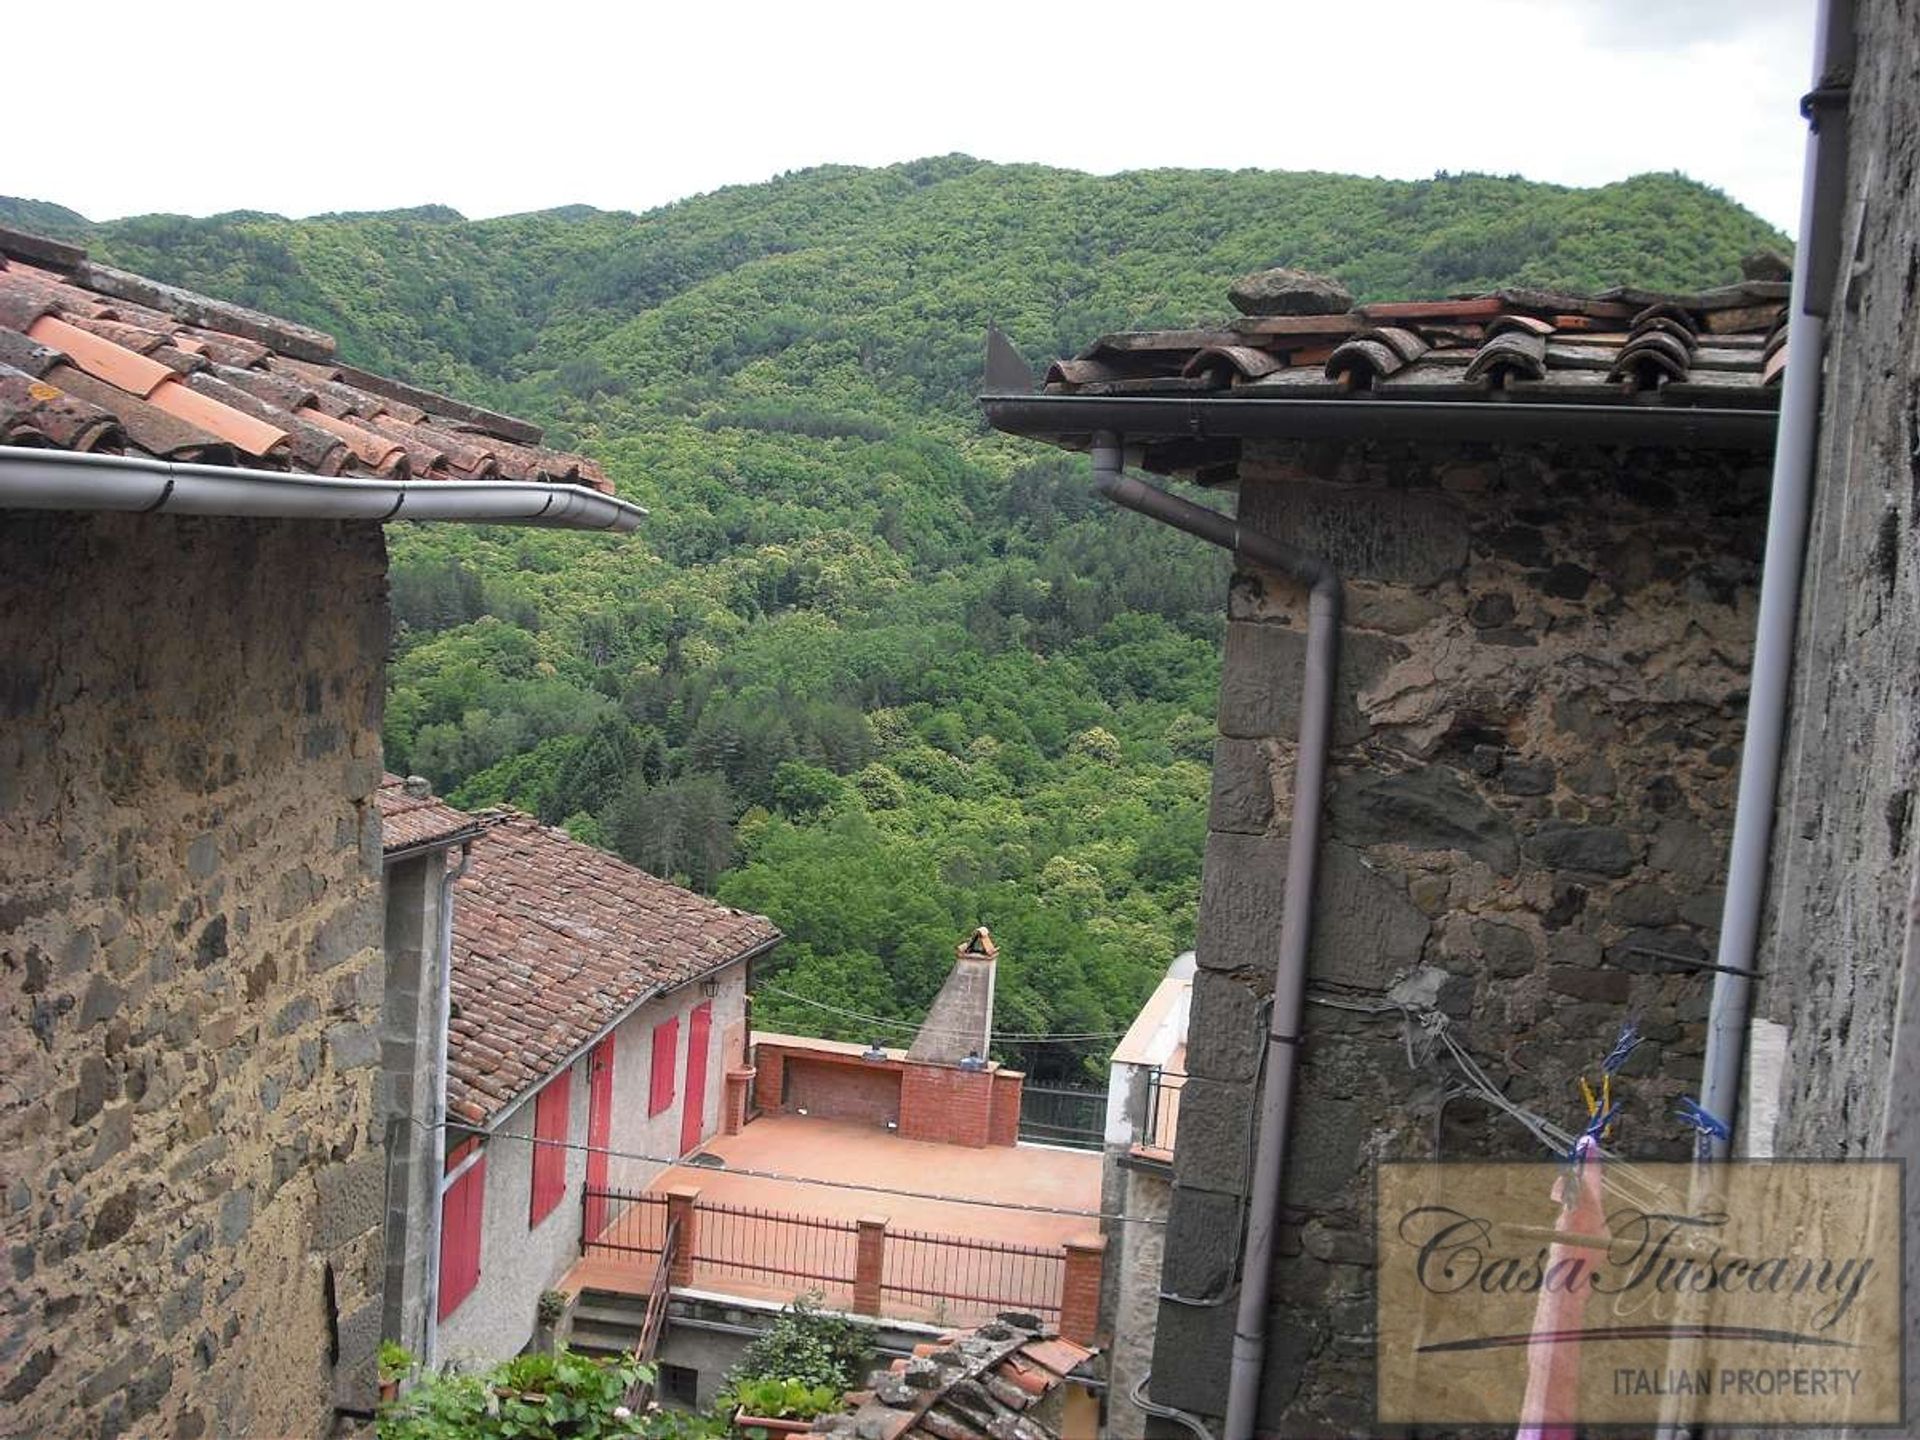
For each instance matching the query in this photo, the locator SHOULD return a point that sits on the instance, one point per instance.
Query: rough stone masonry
(1537, 720)
(190, 925)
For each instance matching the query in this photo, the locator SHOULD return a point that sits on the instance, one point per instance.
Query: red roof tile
(554, 941)
(996, 1379)
(411, 818)
(144, 354)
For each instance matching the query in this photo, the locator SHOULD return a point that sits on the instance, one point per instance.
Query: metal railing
(962, 1282)
(793, 1252)
(1160, 1119)
(615, 1224)
(1060, 1115)
(949, 1279)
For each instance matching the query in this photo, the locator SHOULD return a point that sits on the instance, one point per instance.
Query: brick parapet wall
(946, 1104)
(1003, 1121)
(1536, 728)
(189, 954)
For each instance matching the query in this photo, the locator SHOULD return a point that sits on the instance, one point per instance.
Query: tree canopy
(871, 669)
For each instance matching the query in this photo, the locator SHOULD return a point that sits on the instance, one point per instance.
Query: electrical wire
(909, 1025)
(490, 1138)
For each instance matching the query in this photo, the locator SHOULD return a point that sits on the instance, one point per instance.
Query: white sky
(305, 106)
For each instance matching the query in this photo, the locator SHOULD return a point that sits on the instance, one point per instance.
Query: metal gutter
(460, 837)
(34, 479)
(1149, 417)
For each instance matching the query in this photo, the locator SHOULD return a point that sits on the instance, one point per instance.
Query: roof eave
(412, 848)
(37, 479)
(1071, 420)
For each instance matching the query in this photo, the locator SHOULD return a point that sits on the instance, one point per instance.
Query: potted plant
(550, 1320)
(395, 1363)
(768, 1407)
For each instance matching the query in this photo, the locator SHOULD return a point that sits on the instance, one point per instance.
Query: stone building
(1144, 1084)
(1545, 515)
(193, 586)
(1839, 946)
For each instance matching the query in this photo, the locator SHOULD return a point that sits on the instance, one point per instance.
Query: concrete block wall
(1536, 731)
(190, 937)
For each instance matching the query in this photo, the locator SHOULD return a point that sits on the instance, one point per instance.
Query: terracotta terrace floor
(803, 1149)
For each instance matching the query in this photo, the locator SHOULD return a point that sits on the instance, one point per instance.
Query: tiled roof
(554, 941)
(97, 359)
(1723, 347)
(411, 818)
(995, 1380)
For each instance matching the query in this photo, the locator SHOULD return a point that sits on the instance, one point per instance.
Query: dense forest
(870, 669)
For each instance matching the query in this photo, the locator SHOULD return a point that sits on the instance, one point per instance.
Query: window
(551, 1109)
(680, 1385)
(460, 1213)
(666, 1045)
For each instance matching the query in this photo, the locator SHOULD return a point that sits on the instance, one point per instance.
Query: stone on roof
(1004, 1378)
(1719, 348)
(554, 941)
(98, 359)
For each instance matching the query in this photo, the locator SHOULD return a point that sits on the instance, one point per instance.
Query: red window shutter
(460, 1214)
(551, 1110)
(666, 1044)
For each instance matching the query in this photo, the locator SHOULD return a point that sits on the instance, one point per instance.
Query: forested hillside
(870, 669)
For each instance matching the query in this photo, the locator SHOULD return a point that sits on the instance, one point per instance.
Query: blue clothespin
(1628, 1042)
(1709, 1126)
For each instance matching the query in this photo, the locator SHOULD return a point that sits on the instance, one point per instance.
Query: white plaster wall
(516, 1264)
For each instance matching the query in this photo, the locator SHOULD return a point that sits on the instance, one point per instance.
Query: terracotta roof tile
(1671, 349)
(409, 820)
(554, 940)
(125, 336)
(998, 1379)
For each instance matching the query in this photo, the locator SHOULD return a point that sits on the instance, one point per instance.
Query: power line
(612, 1152)
(1030, 1039)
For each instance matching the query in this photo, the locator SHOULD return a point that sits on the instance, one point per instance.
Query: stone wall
(190, 960)
(1138, 1190)
(1536, 731)
(1842, 943)
(1844, 843)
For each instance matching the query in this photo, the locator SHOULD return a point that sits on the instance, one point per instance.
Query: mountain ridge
(873, 670)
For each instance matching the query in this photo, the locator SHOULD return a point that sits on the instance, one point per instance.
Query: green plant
(552, 1305)
(563, 1396)
(784, 1399)
(806, 1347)
(395, 1361)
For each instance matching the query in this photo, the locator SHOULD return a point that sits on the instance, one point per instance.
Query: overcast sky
(493, 109)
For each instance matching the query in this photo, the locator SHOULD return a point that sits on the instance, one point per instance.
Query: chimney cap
(417, 786)
(977, 946)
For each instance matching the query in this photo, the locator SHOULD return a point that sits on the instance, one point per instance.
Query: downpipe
(1296, 925)
(1822, 193)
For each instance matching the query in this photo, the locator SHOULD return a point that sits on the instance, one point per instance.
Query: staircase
(607, 1322)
